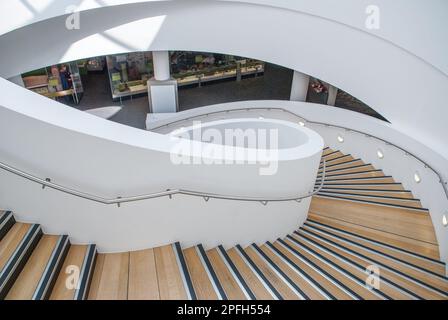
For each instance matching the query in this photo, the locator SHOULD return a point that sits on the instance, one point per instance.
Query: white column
(299, 86)
(332, 93)
(161, 63)
(162, 90)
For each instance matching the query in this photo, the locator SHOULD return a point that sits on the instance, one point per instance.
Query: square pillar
(162, 96)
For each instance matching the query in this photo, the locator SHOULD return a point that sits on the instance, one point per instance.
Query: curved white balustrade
(100, 157)
(394, 161)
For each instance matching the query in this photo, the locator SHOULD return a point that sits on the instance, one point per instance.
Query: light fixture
(380, 154)
(417, 177)
(340, 138)
(301, 123)
(444, 220)
(261, 117)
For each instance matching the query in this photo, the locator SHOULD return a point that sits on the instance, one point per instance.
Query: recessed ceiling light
(444, 220)
(260, 117)
(301, 123)
(380, 154)
(340, 138)
(417, 177)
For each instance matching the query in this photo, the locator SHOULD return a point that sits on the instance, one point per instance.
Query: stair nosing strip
(16, 257)
(53, 262)
(319, 270)
(313, 283)
(360, 189)
(219, 290)
(410, 278)
(185, 274)
(380, 243)
(261, 277)
(360, 267)
(374, 203)
(85, 274)
(236, 274)
(371, 196)
(350, 276)
(282, 275)
(385, 255)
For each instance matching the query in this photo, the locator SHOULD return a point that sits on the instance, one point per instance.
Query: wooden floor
(361, 220)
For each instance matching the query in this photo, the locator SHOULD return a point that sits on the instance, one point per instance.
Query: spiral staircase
(366, 237)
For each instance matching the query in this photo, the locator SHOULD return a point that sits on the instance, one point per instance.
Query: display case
(196, 68)
(63, 80)
(129, 73)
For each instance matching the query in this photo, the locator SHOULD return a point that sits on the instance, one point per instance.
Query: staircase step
(280, 280)
(424, 249)
(392, 276)
(71, 268)
(367, 180)
(341, 165)
(6, 222)
(338, 160)
(402, 202)
(351, 283)
(143, 283)
(231, 283)
(351, 175)
(392, 252)
(326, 281)
(385, 290)
(170, 279)
(432, 282)
(250, 277)
(184, 272)
(404, 194)
(26, 283)
(110, 277)
(352, 169)
(202, 283)
(15, 249)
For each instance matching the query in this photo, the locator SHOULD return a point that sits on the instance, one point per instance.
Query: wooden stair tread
(75, 258)
(143, 283)
(110, 278)
(404, 222)
(272, 277)
(11, 241)
(310, 291)
(28, 279)
(231, 287)
(201, 282)
(251, 279)
(318, 277)
(404, 256)
(395, 278)
(170, 282)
